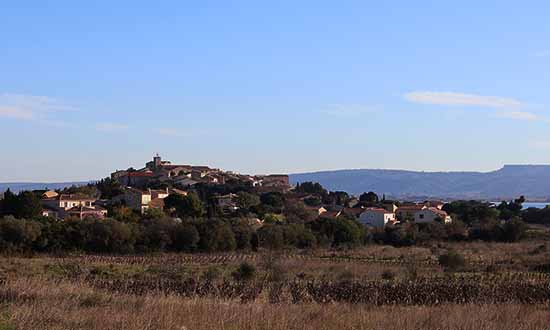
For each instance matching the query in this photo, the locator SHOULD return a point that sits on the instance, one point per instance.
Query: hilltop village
(223, 193)
(172, 207)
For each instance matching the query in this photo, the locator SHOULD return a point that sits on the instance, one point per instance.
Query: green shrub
(388, 275)
(245, 272)
(452, 261)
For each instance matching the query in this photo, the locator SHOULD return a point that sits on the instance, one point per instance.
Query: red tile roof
(411, 208)
(377, 209)
(140, 174)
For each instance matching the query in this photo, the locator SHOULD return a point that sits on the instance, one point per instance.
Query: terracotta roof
(331, 214)
(411, 208)
(442, 214)
(377, 209)
(50, 194)
(140, 174)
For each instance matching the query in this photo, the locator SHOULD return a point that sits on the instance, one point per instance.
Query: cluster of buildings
(70, 205)
(185, 176)
(138, 197)
(391, 214)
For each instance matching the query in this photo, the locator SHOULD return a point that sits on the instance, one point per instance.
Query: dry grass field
(501, 286)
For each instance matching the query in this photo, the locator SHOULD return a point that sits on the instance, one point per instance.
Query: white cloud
(111, 127)
(518, 115)
(461, 99)
(346, 110)
(15, 113)
(30, 107)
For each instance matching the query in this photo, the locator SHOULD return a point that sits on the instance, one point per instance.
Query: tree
(245, 200)
(124, 214)
(185, 237)
(338, 232)
(109, 188)
(216, 235)
(18, 234)
(107, 236)
(312, 201)
(243, 234)
(513, 230)
(340, 198)
(273, 201)
(185, 206)
(369, 198)
(271, 236)
(310, 188)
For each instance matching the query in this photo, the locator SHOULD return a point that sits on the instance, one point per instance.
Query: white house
(431, 214)
(376, 217)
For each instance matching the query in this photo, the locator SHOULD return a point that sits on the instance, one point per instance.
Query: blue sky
(278, 86)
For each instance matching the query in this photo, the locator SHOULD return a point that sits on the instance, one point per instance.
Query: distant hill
(532, 181)
(19, 186)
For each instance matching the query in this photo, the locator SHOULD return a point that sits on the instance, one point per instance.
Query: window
(421, 216)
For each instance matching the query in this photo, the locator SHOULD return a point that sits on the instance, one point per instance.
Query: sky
(272, 86)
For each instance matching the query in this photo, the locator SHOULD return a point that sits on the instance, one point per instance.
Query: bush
(452, 261)
(388, 275)
(513, 230)
(245, 272)
(17, 235)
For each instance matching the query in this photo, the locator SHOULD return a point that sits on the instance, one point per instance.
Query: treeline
(156, 232)
(160, 233)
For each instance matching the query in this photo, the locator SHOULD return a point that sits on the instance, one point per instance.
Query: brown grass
(40, 304)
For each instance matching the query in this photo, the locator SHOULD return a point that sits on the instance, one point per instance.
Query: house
(275, 180)
(156, 203)
(135, 199)
(61, 205)
(407, 212)
(178, 192)
(353, 212)
(331, 214)
(157, 193)
(437, 204)
(185, 182)
(432, 214)
(50, 194)
(83, 212)
(389, 206)
(48, 211)
(227, 203)
(376, 217)
(133, 178)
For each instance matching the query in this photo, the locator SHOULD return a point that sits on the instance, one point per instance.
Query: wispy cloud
(461, 99)
(347, 110)
(518, 115)
(111, 127)
(30, 107)
(15, 113)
